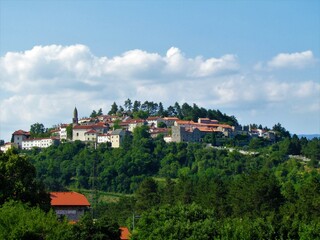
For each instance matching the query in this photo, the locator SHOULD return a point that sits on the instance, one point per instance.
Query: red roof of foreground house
(68, 199)
(125, 234)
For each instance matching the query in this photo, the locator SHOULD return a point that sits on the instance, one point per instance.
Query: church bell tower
(75, 116)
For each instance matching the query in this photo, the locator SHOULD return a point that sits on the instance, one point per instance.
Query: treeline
(75, 164)
(143, 110)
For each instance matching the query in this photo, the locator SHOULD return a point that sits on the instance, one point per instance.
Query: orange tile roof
(68, 199)
(125, 234)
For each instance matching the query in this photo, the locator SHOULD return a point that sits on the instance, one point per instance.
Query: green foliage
(178, 222)
(281, 132)
(69, 131)
(96, 113)
(19, 221)
(38, 130)
(89, 229)
(254, 194)
(116, 124)
(140, 114)
(114, 109)
(162, 125)
(147, 195)
(18, 181)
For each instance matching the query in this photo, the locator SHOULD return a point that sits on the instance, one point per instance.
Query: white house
(132, 124)
(91, 135)
(63, 131)
(154, 121)
(38, 142)
(85, 133)
(104, 138)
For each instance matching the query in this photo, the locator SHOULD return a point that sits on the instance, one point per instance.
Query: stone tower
(75, 116)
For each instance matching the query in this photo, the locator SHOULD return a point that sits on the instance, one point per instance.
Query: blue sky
(257, 60)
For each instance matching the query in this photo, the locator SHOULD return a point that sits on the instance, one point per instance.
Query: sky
(256, 60)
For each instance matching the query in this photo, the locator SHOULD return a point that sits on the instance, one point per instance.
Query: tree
(18, 181)
(116, 124)
(128, 105)
(140, 114)
(177, 110)
(160, 110)
(187, 111)
(101, 228)
(19, 221)
(171, 111)
(255, 193)
(281, 132)
(136, 106)
(93, 114)
(176, 222)
(114, 109)
(69, 131)
(37, 130)
(162, 125)
(147, 195)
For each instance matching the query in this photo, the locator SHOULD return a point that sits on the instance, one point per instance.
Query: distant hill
(309, 136)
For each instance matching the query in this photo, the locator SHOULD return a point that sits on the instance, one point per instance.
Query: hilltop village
(113, 129)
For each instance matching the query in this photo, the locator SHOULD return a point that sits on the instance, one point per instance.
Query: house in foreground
(72, 205)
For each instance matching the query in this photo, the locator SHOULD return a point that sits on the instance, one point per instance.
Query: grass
(104, 197)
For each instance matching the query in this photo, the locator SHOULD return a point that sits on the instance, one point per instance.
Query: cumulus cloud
(45, 83)
(292, 60)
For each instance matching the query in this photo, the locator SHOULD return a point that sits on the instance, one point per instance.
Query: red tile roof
(68, 199)
(91, 131)
(21, 132)
(125, 234)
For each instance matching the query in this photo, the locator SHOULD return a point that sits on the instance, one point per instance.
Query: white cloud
(45, 83)
(292, 60)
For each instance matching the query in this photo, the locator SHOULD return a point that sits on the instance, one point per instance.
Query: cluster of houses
(113, 129)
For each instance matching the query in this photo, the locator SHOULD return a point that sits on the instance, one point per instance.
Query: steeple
(75, 116)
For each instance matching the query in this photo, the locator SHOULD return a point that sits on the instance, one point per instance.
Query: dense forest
(244, 189)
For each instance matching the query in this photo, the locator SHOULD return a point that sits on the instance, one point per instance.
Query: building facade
(20, 136)
(39, 143)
